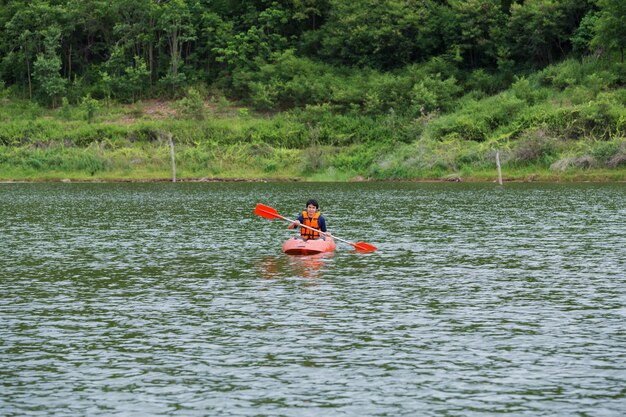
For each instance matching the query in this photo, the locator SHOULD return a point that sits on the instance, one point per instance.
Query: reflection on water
(279, 266)
(310, 266)
(174, 299)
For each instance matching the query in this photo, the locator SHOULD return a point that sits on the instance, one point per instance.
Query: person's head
(312, 207)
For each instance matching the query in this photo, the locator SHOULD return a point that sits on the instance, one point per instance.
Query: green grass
(151, 162)
(564, 123)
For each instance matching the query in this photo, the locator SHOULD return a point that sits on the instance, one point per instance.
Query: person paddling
(313, 218)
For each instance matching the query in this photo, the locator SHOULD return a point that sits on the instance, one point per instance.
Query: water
(174, 300)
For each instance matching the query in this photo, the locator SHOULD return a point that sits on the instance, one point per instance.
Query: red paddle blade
(266, 211)
(364, 247)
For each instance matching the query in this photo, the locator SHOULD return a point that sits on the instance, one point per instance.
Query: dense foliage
(284, 53)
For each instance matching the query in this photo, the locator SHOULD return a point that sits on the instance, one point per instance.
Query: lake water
(175, 300)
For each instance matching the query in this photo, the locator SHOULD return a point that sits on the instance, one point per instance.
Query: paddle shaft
(316, 230)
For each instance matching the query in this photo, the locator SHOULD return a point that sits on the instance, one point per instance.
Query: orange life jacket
(311, 222)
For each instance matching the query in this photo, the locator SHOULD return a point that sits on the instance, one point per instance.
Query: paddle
(271, 213)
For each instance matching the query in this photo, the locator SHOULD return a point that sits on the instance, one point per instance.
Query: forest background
(315, 89)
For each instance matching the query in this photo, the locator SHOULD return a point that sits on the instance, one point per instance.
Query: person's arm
(322, 223)
(297, 223)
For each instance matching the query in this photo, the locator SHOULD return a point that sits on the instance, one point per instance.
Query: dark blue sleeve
(322, 223)
(300, 218)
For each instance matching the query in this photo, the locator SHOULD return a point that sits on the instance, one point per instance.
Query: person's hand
(329, 234)
(296, 223)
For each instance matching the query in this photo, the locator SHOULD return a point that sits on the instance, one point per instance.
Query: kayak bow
(299, 246)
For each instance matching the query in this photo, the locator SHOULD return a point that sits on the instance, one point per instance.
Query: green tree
(175, 21)
(610, 26)
(309, 14)
(477, 24)
(90, 106)
(92, 37)
(581, 41)
(47, 68)
(255, 41)
(540, 30)
(192, 105)
(135, 31)
(213, 35)
(23, 37)
(381, 34)
(136, 78)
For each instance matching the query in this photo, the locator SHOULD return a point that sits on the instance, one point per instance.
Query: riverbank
(130, 143)
(165, 175)
(244, 162)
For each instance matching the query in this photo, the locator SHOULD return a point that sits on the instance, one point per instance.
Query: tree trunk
(151, 63)
(30, 84)
(175, 52)
(69, 64)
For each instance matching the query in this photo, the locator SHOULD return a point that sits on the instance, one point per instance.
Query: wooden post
(169, 136)
(499, 168)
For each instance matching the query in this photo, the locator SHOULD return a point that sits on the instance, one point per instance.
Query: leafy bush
(65, 111)
(600, 81)
(291, 81)
(357, 158)
(604, 151)
(314, 159)
(619, 159)
(433, 93)
(287, 81)
(192, 105)
(595, 119)
(480, 80)
(525, 90)
(477, 120)
(89, 106)
(561, 76)
(278, 132)
(462, 127)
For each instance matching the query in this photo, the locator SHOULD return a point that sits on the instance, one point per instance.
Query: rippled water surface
(174, 299)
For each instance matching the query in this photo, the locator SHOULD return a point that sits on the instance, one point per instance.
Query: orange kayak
(299, 246)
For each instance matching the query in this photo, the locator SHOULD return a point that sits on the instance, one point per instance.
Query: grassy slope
(563, 124)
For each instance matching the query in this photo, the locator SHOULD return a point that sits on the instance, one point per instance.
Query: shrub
(460, 126)
(89, 106)
(482, 81)
(432, 94)
(596, 119)
(561, 76)
(604, 151)
(65, 111)
(534, 147)
(477, 120)
(599, 81)
(278, 132)
(264, 96)
(523, 89)
(619, 158)
(314, 159)
(192, 105)
(356, 158)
